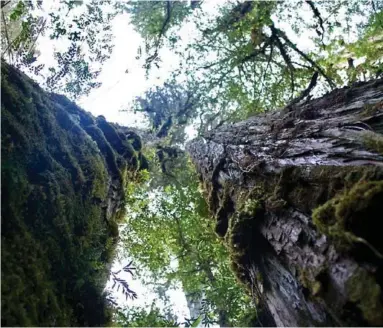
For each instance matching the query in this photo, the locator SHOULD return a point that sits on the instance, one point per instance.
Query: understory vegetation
(78, 192)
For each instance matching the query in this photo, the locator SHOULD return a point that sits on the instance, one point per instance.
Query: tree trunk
(63, 180)
(298, 195)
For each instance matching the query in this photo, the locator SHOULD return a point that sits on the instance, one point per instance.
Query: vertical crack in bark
(297, 195)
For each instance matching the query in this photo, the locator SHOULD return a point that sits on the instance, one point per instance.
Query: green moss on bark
(352, 219)
(364, 291)
(373, 141)
(353, 215)
(371, 109)
(57, 171)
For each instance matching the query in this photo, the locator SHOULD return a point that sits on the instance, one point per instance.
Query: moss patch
(371, 109)
(366, 293)
(240, 235)
(310, 282)
(352, 219)
(353, 216)
(57, 172)
(373, 141)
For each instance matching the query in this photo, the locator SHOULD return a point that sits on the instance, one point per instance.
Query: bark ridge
(297, 195)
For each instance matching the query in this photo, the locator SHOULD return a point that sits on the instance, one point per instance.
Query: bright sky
(146, 296)
(118, 88)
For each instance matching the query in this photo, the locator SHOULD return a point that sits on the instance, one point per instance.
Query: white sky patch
(123, 77)
(145, 296)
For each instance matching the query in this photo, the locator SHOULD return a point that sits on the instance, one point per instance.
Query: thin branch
(307, 58)
(238, 13)
(5, 3)
(260, 51)
(212, 64)
(267, 67)
(37, 35)
(307, 91)
(167, 19)
(287, 60)
(301, 65)
(316, 14)
(334, 12)
(161, 33)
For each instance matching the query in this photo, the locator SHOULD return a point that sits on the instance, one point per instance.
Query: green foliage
(169, 233)
(136, 317)
(366, 293)
(153, 20)
(246, 57)
(169, 109)
(57, 241)
(83, 32)
(367, 49)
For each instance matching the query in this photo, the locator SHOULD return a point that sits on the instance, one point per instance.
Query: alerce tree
(297, 198)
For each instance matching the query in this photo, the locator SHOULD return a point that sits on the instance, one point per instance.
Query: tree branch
(5, 3)
(161, 33)
(288, 62)
(307, 91)
(316, 14)
(239, 12)
(307, 58)
(267, 67)
(260, 51)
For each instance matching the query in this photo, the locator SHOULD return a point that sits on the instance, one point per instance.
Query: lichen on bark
(313, 175)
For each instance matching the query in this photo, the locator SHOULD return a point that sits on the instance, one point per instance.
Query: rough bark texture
(298, 199)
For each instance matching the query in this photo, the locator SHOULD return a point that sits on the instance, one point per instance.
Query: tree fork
(297, 195)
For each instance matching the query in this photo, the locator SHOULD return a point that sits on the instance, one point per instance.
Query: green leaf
(196, 322)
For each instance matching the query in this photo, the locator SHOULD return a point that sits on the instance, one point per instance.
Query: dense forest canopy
(230, 60)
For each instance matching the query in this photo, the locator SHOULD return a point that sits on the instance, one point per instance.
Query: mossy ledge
(350, 218)
(63, 174)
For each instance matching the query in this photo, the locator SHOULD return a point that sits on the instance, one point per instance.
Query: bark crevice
(266, 176)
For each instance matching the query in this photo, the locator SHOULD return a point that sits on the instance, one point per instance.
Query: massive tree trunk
(298, 199)
(63, 175)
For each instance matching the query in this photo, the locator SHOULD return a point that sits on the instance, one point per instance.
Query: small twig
(267, 67)
(287, 60)
(37, 35)
(5, 3)
(307, 91)
(365, 242)
(317, 15)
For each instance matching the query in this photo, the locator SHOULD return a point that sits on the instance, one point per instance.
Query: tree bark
(297, 195)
